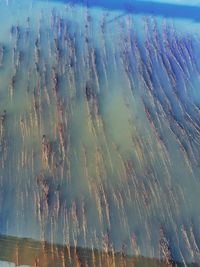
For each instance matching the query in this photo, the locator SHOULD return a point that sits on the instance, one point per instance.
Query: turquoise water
(100, 125)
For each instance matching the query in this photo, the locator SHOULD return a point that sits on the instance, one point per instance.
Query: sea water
(100, 125)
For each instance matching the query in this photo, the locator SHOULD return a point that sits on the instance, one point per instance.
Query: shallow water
(100, 125)
(26, 252)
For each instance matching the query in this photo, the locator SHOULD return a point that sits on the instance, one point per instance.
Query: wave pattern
(99, 132)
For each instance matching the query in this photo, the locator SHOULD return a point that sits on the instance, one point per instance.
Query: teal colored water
(100, 126)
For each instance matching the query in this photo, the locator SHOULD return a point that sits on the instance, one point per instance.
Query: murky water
(100, 126)
(26, 252)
